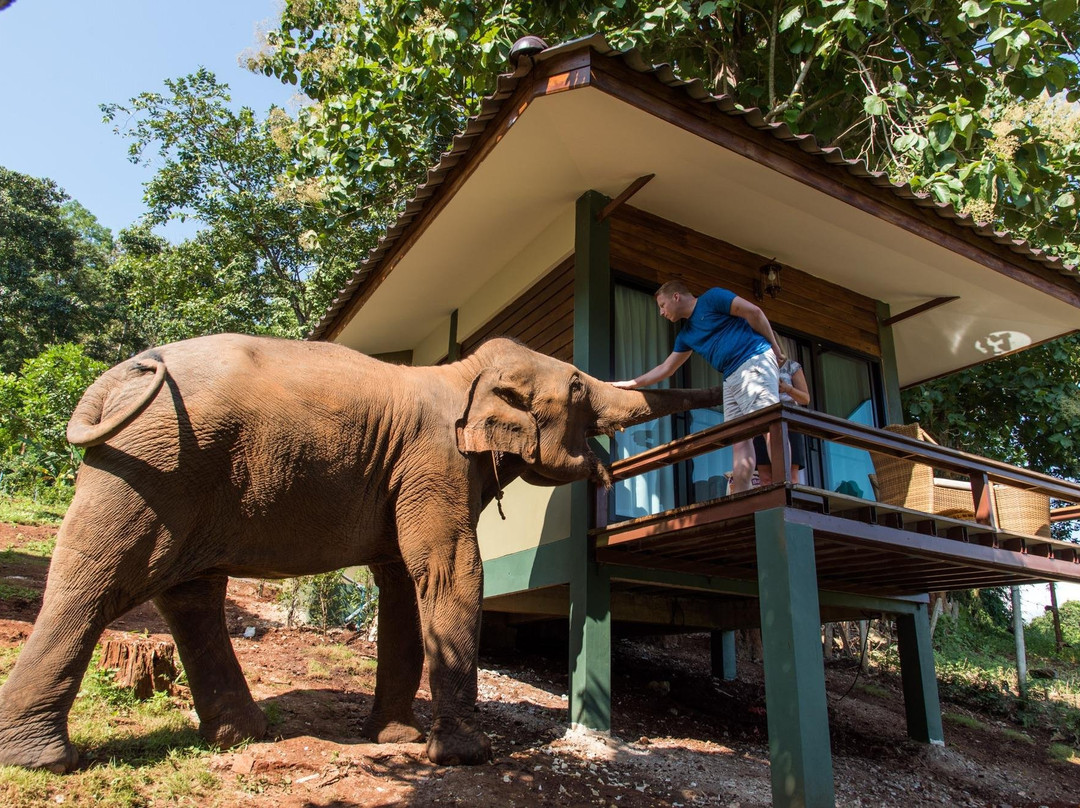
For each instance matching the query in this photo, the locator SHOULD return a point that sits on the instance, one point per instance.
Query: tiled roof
(507, 83)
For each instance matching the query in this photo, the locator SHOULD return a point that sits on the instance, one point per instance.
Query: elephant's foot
(230, 729)
(37, 750)
(456, 742)
(388, 730)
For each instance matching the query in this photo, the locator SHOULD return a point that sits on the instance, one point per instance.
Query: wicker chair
(908, 484)
(1020, 511)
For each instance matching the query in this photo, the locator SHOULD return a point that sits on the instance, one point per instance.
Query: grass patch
(317, 670)
(7, 660)
(344, 659)
(41, 549)
(136, 753)
(16, 592)
(1060, 753)
(108, 722)
(1016, 735)
(965, 721)
(20, 510)
(872, 690)
(272, 711)
(180, 778)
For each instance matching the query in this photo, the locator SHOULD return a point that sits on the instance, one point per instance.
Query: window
(849, 389)
(841, 383)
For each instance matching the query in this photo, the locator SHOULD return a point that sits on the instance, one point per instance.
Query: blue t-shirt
(724, 339)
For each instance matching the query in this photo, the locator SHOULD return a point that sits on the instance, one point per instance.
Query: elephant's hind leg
(401, 659)
(195, 612)
(37, 697)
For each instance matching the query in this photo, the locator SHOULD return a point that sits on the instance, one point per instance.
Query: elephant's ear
(497, 419)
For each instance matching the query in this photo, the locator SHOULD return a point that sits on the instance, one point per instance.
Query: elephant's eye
(577, 387)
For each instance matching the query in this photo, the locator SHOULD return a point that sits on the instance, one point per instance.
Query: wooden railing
(781, 419)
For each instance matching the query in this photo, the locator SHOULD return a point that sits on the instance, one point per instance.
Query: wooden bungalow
(589, 178)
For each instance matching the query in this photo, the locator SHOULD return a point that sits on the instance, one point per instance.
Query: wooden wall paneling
(655, 250)
(541, 318)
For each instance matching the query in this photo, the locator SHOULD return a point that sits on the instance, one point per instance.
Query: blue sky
(61, 59)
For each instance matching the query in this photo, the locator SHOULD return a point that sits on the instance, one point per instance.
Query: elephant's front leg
(401, 659)
(445, 565)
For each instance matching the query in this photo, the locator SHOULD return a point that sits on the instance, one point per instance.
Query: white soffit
(580, 140)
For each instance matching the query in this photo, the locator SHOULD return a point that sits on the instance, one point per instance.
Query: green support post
(590, 584)
(918, 678)
(798, 718)
(894, 409)
(722, 646)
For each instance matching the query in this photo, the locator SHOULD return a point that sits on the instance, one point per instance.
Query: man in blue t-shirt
(735, 337)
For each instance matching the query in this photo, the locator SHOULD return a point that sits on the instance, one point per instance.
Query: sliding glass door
(642, 340)
(848, 389)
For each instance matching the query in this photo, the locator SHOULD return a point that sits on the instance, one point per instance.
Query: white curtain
(642, 341)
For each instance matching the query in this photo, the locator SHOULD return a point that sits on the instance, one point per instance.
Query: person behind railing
(735, 337)
(793, 390)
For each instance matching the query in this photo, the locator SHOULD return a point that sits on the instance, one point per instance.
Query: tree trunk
(1058, 638)
(142, 664)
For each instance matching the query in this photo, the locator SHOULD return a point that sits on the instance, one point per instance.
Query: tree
(227, 169)
(910, 87)
(49, 268)
(201, 286)
(35, 405)
(1036, 424)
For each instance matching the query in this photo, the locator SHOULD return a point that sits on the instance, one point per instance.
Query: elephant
(233, 455)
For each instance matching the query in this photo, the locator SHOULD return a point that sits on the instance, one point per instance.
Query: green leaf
(1065, 200)
(875, 105)
(941, 136)
(790, 17)
(704, 10)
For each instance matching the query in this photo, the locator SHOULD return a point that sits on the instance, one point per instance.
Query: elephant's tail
(87, 428)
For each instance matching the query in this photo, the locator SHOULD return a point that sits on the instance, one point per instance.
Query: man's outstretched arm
(662, 371)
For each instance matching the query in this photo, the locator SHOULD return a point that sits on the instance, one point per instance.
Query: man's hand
(627, 384)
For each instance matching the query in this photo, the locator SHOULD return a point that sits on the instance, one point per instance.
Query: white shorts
(753, 385)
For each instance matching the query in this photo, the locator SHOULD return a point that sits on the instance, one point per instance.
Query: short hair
(672, 287)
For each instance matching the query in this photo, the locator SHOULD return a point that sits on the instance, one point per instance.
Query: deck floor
(860, 546)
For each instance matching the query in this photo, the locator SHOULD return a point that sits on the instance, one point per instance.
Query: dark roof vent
(526, 46)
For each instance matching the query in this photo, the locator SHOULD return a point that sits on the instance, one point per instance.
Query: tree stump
(141, 664)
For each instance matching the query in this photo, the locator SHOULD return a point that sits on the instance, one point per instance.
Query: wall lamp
(768, 281)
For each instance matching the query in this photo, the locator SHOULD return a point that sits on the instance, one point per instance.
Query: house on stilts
(590, 177)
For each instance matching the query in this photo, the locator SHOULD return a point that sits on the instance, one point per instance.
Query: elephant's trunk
(617, 408)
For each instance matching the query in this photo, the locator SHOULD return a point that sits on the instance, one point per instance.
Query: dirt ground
(680, 738)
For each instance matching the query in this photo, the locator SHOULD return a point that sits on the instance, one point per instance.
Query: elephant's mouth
(597, 471)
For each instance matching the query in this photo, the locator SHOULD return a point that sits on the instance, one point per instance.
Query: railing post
(982, 494)
(780, 449)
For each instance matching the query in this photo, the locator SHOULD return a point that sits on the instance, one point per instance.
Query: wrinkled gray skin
(234, 455)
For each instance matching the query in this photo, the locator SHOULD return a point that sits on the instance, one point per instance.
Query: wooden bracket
(615, 203)
(930, 304)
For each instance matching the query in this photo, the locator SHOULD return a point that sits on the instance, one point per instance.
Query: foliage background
(973, 102)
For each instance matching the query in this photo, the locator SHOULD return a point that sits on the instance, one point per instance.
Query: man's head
(675, 301)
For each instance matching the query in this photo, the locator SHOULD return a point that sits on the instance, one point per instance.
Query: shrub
(35, 405)
(1040, 632)
(332, 599)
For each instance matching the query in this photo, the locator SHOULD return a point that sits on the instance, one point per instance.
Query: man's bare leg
(743, 462)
